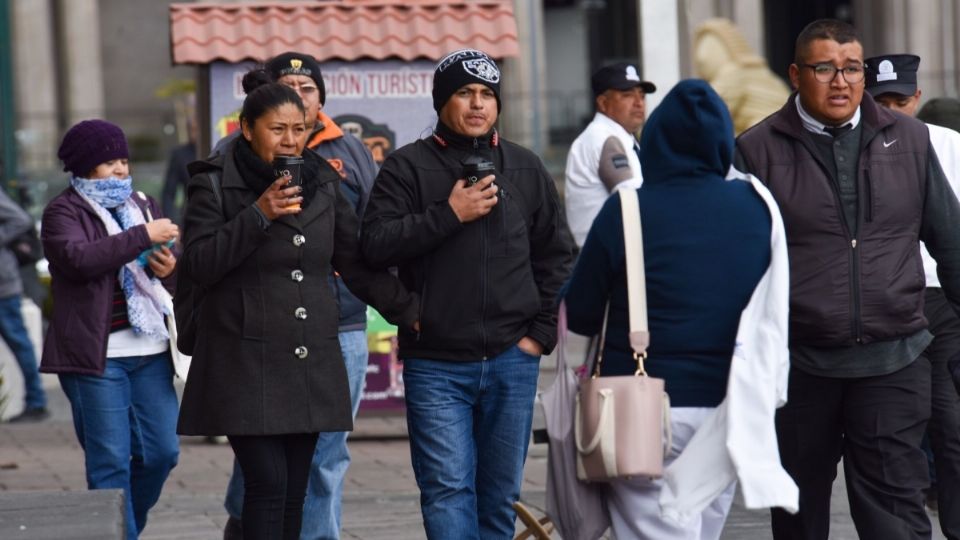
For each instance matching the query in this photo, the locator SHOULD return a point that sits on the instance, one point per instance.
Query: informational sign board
(387, 104)
(383, 391)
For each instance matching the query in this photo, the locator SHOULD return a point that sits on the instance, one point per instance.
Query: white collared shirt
(813, 125)
(584, 192)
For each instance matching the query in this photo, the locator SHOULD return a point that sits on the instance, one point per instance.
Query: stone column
(925, 39)
(660, 47)
(81, 61)
(35, 84)
(923, 28)
(748, 16)
(524, 77)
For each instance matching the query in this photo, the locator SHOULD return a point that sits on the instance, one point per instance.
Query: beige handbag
(622, 424)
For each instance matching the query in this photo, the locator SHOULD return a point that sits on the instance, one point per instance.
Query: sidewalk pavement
(380, 495)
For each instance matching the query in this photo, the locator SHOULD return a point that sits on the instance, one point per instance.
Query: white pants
(634, 504)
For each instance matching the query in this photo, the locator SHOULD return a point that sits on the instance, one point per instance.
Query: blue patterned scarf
(144, 307)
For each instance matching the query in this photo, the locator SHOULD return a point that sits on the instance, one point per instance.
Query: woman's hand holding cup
(279, 199)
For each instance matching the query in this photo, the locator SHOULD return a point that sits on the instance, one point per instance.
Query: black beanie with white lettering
(460, 68)
(294, 63)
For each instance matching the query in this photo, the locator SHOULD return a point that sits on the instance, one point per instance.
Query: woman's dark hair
(263, 94)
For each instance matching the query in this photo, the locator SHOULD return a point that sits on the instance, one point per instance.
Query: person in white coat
(605, 156)
(892, 81)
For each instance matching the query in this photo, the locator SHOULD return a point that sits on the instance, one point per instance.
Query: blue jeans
(15, 335)
(469, 426)
(321, 509)
(126, 422)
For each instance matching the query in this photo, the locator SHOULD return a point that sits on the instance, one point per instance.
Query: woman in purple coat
(108, 342)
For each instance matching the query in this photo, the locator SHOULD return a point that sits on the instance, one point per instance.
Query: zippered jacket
(351, 158)
(486, 284)
(848, 284)
(84, 262)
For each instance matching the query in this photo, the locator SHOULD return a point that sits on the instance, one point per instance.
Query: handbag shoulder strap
(636, 273)
(144, 206)
(214, 177)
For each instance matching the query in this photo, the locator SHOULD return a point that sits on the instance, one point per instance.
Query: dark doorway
(785, 19)
(613, 32)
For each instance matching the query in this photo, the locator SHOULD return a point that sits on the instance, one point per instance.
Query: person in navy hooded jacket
(706, 246)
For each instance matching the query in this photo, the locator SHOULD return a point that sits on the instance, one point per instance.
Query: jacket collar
(326, 130)
(813, 125)
(873, 117)
(77, 200)
(612, 125)
(231, 176)
(445, 137)
(231, 179)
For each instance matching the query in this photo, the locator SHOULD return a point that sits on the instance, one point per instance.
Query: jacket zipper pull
(853, 243)
(476, 144)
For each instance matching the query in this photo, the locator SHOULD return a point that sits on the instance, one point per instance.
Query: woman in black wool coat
(267, 370)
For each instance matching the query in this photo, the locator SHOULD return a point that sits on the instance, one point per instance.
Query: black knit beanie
(460, 68)
(89, 144)
(294, 63)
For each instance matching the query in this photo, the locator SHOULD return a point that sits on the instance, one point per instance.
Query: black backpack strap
(214, 177)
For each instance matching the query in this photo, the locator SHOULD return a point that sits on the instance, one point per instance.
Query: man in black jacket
(858, 187)
(488, 252)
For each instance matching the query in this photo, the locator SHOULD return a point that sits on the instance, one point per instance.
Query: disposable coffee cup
(291, 166)
(476, 168)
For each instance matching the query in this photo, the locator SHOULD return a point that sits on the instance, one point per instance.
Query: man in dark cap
(351, 158)
(473, 222)
(859, 187)
(606, 156)
(892, 81)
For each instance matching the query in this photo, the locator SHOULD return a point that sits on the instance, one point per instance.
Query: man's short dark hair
(833, 29)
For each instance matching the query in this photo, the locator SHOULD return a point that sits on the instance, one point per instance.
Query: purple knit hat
(89, 144)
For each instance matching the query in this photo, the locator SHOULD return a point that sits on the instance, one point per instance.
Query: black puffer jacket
(486, 284)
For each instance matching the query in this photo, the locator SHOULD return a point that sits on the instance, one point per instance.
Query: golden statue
(722, 56)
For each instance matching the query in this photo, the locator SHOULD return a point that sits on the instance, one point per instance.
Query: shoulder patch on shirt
(620, 161)
(614, 166)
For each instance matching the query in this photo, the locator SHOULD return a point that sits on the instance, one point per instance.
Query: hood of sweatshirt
(689, 136)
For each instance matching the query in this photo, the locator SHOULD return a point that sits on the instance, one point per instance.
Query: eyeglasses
(305, 88)
(826, 73)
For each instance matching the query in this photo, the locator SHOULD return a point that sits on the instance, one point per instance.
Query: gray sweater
(13, 222)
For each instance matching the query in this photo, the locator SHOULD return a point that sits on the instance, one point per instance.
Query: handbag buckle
(640, 357)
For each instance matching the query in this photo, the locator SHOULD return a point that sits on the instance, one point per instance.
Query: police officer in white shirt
(892, 81)
(605, 156)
